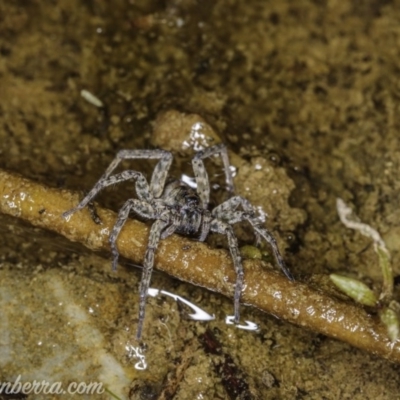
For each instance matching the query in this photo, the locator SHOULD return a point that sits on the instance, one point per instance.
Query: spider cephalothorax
(176, 207)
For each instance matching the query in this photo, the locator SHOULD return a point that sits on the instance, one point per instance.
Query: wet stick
(200, 265)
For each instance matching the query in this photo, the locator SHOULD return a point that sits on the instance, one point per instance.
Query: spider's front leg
(144, 206)
(141, 208)
(142, 187)
(154, 238)
(144, 191)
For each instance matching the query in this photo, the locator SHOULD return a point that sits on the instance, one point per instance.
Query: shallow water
(305, 93)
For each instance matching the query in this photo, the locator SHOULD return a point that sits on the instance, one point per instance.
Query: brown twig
(200, 265)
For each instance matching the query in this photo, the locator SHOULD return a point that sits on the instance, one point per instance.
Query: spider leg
(142, 209)
(272, 242)
(154, 238)
(205, 225)
(225, 229)
(227, 211)
(143, 190)
(174, 223)
(203, 185)
(160, 172)
(231, 205)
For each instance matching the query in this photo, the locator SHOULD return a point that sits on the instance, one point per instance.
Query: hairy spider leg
(229, 207)
(200, 172)
(142, 187)
(227, 211)
(272, 242)
(141, 208)
(205, 225)
(220, 227)
(227, 214)
(154, 238)
(143, 190)
(146, 194)
(175, 222)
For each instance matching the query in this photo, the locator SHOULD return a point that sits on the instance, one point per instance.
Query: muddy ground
(309, 89)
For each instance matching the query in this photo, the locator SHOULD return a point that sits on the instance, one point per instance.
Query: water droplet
(189, 180)
(250, 326)
(198, 315)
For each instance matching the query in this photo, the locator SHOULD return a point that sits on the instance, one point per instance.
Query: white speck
(198, 140)
(262, 215)
(199, 314)
(277, 295)
(91, 98)
(258, 167)
(190, 181)
(136, 352)
(105, 232)
(152, 292)
(250, 326)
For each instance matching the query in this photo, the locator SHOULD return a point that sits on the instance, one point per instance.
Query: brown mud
(306, 93)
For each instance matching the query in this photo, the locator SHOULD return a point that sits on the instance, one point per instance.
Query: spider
(176, 207)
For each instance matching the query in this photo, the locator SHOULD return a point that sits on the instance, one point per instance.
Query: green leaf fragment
(355, 289)
(390, 319)
(250, 252)
(384, 262)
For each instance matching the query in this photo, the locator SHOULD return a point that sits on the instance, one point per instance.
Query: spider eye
(192, 200)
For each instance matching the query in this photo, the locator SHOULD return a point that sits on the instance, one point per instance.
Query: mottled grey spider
(176, 207)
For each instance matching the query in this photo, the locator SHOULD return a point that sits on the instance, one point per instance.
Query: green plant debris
(361, 293)
(355, 289)
(387, 273)
(251, 252)
(390, 319)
